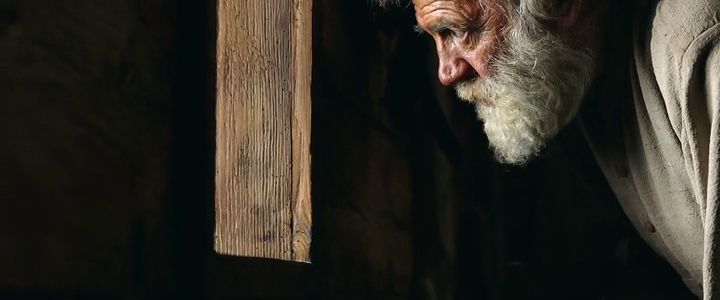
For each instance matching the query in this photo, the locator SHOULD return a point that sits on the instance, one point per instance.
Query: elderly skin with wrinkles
(526, 80)
(527, 65)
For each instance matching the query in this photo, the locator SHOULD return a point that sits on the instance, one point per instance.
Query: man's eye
(454, 33)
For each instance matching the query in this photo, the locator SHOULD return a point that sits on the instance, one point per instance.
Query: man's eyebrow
(442, 26)
(436, 27)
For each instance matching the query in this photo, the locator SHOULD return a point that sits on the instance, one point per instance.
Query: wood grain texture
(263, 129)
(302, 208)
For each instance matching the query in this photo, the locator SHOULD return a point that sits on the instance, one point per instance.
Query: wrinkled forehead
(425, 7)
(419, 4)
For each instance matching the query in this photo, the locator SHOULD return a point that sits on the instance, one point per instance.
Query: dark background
(106, 172)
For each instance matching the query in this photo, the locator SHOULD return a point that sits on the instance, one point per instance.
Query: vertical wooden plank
(302, 214)
(263, 129)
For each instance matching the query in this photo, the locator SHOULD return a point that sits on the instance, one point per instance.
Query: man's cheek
(484, 45)
(480, 56)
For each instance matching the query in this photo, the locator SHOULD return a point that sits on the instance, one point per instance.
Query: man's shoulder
(675, 24)
(670, 38)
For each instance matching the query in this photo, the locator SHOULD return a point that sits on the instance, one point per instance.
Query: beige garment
(663, 160)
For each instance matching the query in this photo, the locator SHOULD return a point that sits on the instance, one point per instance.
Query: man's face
(466, 33)
(525, 81)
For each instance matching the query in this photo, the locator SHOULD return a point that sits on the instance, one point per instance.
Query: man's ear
(569, 13)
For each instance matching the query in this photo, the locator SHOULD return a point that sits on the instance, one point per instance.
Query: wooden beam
(262, 197)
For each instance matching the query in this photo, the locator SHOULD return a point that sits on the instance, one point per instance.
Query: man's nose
(452, 68)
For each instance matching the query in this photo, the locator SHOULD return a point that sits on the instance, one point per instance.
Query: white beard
(535, 88)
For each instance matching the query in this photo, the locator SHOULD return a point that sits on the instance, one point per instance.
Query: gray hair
(537, 81)
(537, 84)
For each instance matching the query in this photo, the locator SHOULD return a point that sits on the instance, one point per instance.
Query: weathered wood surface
(263, 129)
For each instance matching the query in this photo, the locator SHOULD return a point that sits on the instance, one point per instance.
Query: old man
(650, 109)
